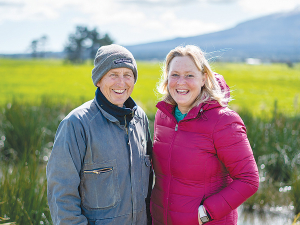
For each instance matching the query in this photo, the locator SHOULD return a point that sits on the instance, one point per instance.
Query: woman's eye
(174, 75)
(190, 76)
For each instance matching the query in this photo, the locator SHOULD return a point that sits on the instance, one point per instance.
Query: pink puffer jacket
(204, 159)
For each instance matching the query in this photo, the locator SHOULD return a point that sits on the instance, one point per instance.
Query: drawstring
(202, 114)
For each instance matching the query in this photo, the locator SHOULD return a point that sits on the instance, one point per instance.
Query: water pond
(275, 216)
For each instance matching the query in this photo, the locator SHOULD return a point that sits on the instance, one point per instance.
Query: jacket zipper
(132, 113)
(169, 163)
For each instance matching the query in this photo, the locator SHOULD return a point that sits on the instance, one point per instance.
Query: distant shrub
(27, 129)
(276, 146)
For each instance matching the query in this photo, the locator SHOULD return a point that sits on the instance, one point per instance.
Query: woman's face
(184, 82)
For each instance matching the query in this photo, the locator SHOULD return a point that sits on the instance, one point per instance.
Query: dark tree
(84, 44)
(75, 48)
(38, 46)
(42, 45)
(97, 42)
(33, 48)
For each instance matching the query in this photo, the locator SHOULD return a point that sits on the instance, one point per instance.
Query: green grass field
(253, 87)
(27, 132)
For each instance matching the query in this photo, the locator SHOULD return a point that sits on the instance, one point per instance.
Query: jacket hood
(223, 85)
(168, 109)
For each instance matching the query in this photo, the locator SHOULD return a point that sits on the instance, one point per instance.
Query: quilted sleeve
(234, 150)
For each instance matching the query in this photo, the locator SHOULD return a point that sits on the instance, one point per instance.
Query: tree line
(82, 44)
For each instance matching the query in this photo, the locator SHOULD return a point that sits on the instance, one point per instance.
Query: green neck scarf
(178, 115)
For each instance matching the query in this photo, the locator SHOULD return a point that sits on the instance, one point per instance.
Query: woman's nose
(181, 80)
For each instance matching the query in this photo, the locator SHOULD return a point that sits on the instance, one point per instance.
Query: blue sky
(128, 22)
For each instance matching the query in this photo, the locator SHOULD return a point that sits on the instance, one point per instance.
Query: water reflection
(265, 218)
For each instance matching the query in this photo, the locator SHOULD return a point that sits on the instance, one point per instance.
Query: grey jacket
(98, 171)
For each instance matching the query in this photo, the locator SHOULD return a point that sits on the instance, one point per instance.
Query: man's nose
(121, 80)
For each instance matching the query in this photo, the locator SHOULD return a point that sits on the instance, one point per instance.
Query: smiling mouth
(119, 91)
(182, 92)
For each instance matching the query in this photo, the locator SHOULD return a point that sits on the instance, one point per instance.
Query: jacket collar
(168, 109)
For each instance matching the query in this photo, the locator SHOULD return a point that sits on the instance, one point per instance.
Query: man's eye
(174, 75)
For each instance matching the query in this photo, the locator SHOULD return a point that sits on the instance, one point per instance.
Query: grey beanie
(110, 57)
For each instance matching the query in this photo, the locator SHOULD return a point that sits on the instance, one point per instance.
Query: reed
(24, 192)
(27, 132)
(275, 142)
(296, 220)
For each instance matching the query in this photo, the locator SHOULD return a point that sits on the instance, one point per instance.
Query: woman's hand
(200, 222)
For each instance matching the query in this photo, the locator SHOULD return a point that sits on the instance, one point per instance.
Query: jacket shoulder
(163, 119)
(84, 113)
(227, 117)
(140, 112)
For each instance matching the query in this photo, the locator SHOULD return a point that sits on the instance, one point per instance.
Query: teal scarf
(178, 115)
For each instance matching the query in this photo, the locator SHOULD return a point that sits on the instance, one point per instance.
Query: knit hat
(110, 57)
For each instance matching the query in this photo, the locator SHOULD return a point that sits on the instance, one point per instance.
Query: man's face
(117, 85)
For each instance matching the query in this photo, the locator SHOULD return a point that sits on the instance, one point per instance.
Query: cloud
(10, 4)
(172, 25)
(17, 10)
(262, 7)
(110, 10)
(138, 21)
(158, 26)
(159, 3)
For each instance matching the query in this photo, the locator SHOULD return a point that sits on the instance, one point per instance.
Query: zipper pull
(126, 128)
(176, 127)
(98, 171)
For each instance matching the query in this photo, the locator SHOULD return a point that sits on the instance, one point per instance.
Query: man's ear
(98, 84)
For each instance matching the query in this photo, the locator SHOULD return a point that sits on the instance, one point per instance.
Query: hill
(274, 37)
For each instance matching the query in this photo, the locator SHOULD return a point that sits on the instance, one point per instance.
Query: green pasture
(257, 87)
(254, 87)
(27, 131)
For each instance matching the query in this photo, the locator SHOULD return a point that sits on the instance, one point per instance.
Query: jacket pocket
(146, 169)
(99, 185)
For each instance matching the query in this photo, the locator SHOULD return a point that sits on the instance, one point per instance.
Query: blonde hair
(211, 89)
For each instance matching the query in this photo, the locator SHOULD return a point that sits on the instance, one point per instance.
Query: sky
(128, 22)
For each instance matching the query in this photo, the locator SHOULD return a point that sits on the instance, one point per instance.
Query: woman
(202, 159)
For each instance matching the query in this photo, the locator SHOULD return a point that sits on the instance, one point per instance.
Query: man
(99, 171)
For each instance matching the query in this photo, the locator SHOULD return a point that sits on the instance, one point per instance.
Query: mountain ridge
(274, 37)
